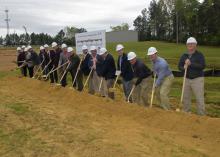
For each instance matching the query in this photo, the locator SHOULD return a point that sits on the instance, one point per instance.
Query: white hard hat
(23, 47)
(54, 44)
(69, 49)
(63, 46)
(46, 46)
(18, 49)
(84, 47)
(131, 55)
(41, 48)
(29, 47)
(191, 40)
(92, 48)
(102, 51)
(119, 47)
(151, 51)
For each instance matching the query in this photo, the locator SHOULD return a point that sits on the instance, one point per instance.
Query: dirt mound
(38, 119)
(6, 58)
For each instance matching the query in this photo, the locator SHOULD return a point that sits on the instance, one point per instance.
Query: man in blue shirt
(164, 77)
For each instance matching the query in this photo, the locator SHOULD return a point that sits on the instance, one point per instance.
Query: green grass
(17, 108)
(170, 51)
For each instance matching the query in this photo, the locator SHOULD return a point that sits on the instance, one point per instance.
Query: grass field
(170, 51)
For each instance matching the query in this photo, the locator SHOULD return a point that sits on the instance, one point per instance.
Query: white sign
(96, 38)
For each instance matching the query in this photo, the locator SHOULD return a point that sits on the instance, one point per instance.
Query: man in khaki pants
(194, 61)
(142, 80)
(164, 77)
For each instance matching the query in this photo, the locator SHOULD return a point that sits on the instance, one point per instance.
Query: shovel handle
(78, 68)
(44, 68)
(152, 93)
(39, 67)
(116, 81)
(132, 90)
(65, 72)
(90, 73)
(58, 67)
(100, 85)
(183, 87)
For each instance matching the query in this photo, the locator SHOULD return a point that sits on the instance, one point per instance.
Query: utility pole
(7, 20)
(27, 36)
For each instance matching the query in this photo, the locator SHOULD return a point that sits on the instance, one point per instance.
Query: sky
(50, 16)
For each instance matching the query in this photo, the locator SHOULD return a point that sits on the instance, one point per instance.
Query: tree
(122, 27)
(142, 27)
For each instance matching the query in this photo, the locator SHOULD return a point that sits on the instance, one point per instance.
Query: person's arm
(118, 64)
(182, 63)
(200, 64)
(60, 60)
(90, 62)
(141, 74)
(104, 70)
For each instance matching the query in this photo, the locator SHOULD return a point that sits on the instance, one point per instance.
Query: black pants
(31, 71)
(79, 80)
(78, 84)
(24, 71)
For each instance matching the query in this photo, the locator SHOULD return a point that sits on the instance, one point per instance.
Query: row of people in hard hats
(137, 78)
(27, 60)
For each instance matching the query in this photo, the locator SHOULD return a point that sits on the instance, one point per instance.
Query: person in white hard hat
(55, 52)
(23, 47)
(164, 77)
(85, 63)
(95, 64)
(194, 62)
(20, 61)
(142, 80)
(32, 60)
(51, 63)
(64, 58)
(108, 70)
(73, 68)
(124, 66)
(43, 56)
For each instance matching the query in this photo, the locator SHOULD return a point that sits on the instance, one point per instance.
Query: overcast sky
(50, 16)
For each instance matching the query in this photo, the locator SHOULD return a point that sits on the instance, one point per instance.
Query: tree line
(66, 35)
(167, 20)
(176, 20)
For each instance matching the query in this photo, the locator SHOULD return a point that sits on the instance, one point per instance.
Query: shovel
(38, 68)
(183, 87)
(117, 73)
(44, 70)
(78, 68)
(152, 93)
(87, 80)
(58, 68)
(64, 73)
(132, 90)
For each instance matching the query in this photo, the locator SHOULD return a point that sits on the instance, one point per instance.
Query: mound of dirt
(6, 58)
(39, 119)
